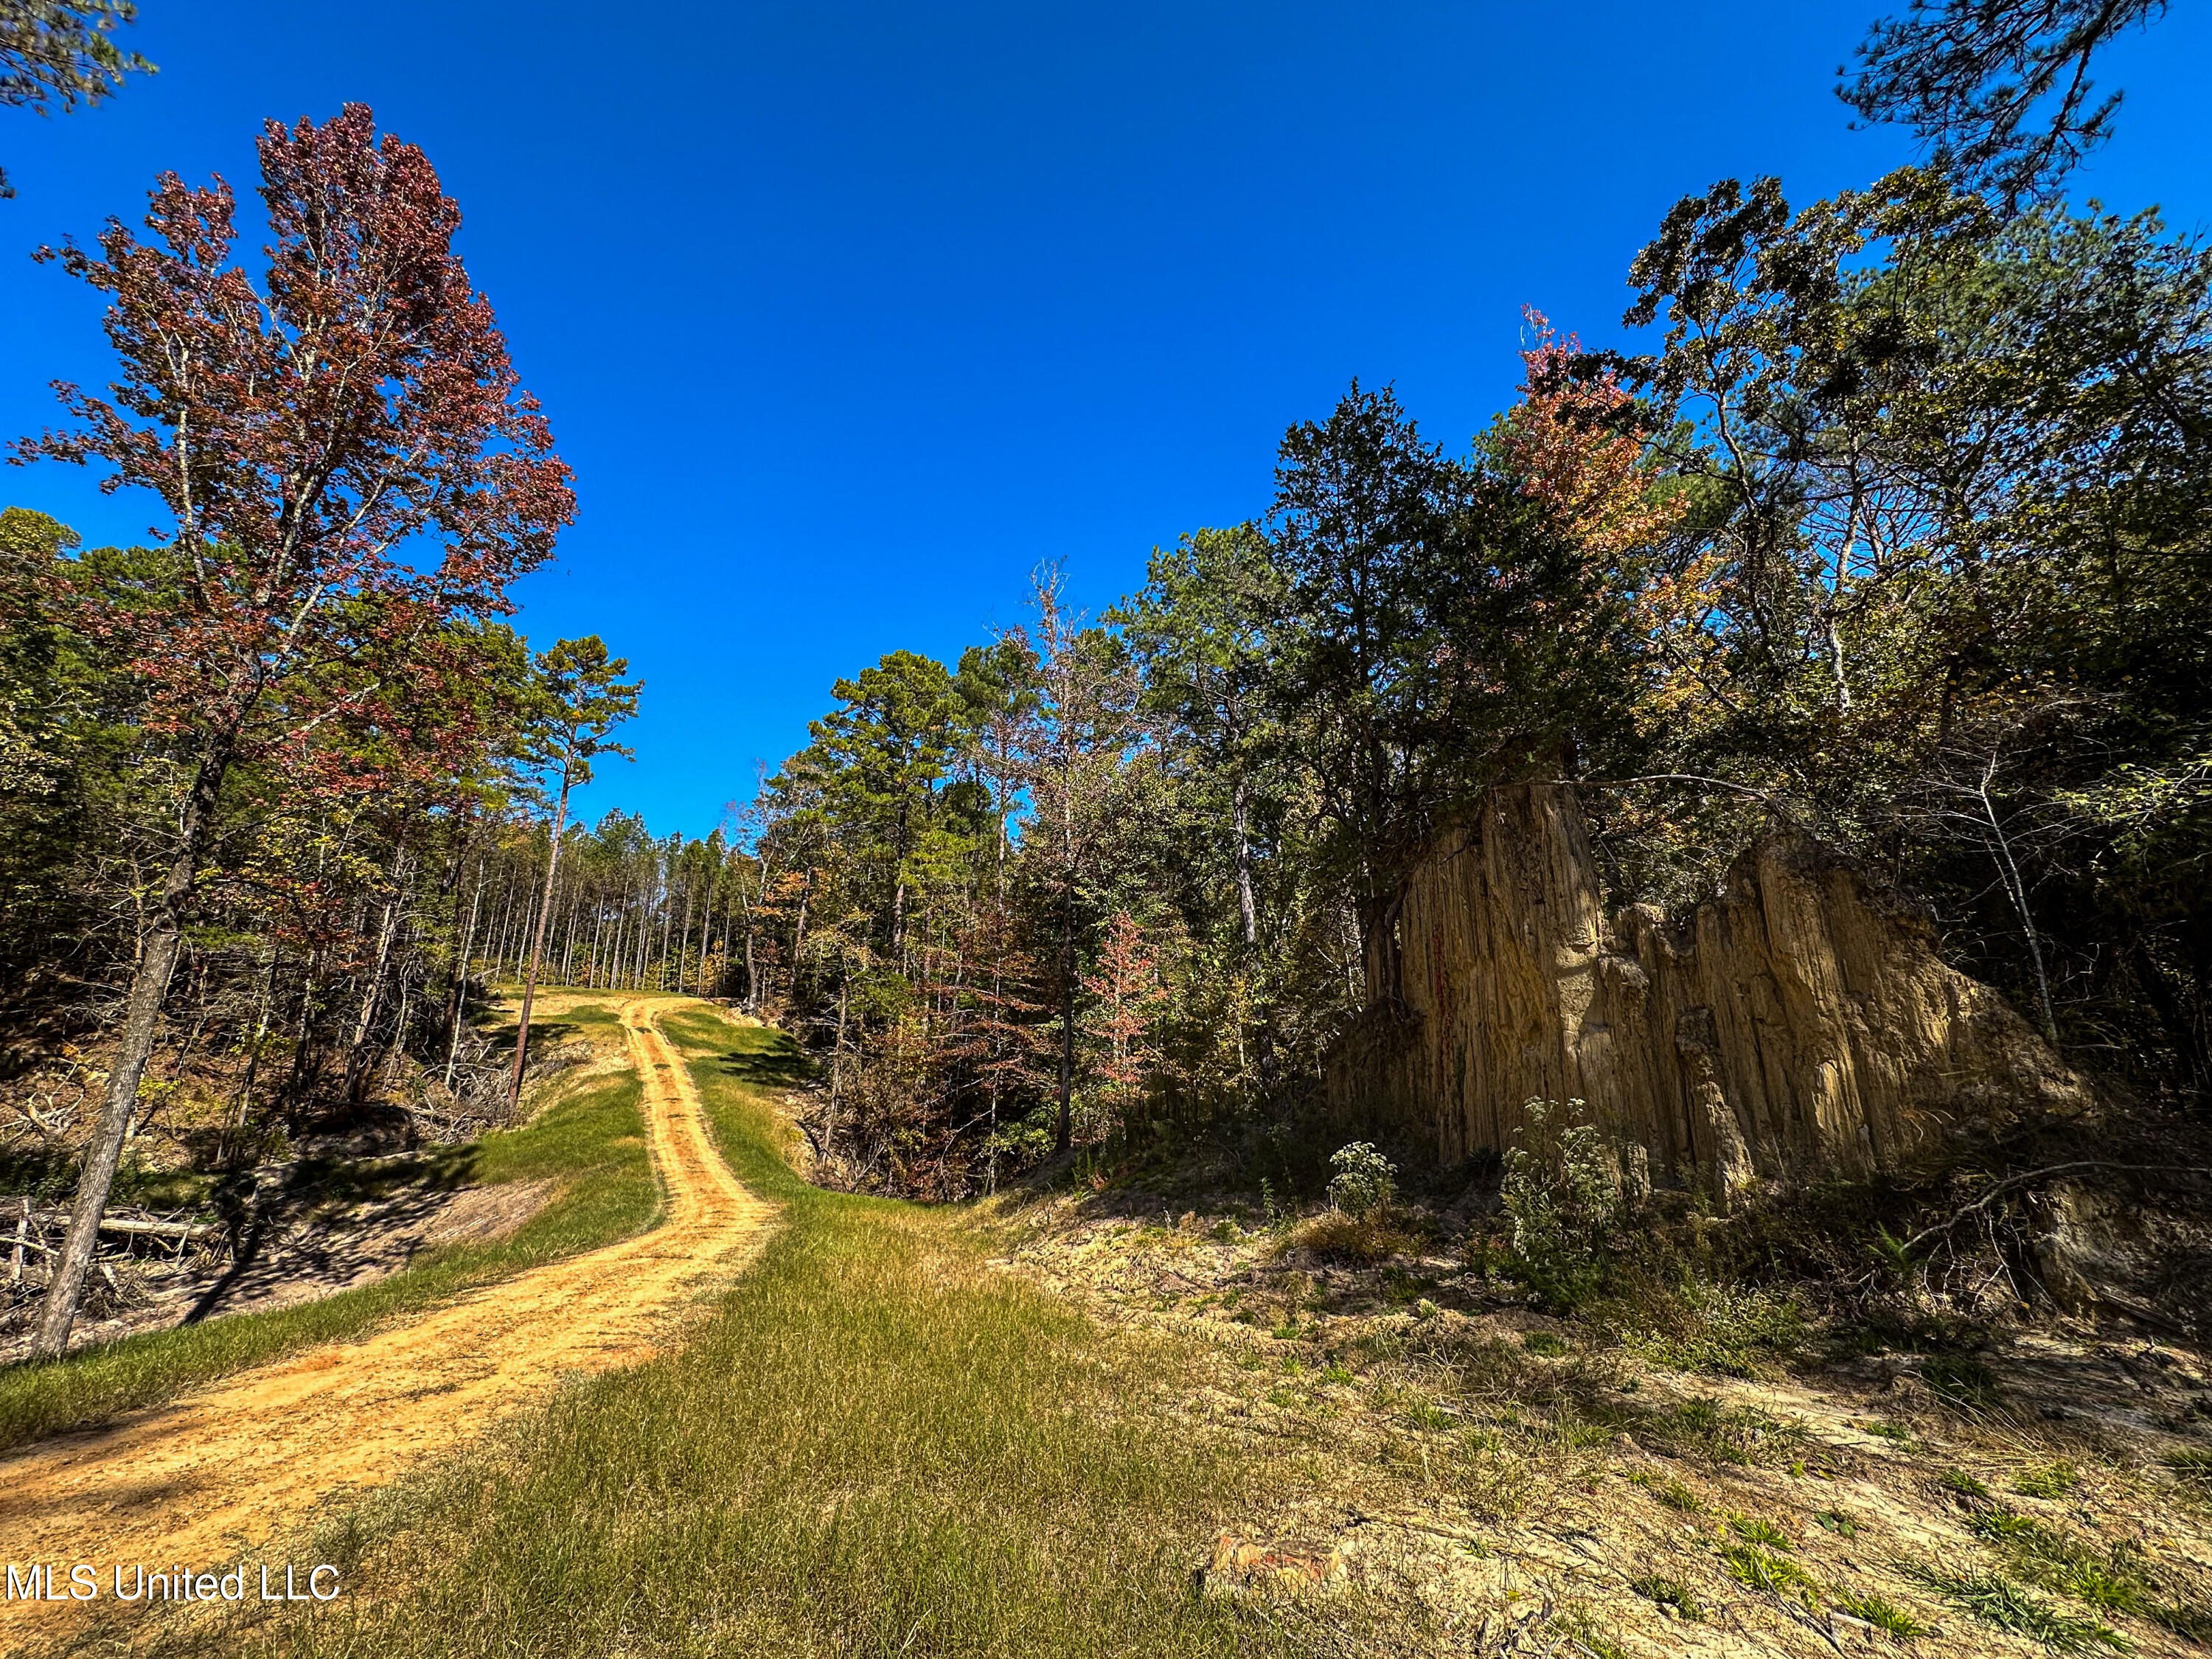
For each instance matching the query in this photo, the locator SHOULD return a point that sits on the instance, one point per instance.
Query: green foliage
(2052, 1480)
(59, 54)
(1763, 1570)
(1563, 1193)
(1961, 1483)
(1884, 1616)
(1757, 1529)
(1672, 1492)
(1996, 1599)
(1365, 1182)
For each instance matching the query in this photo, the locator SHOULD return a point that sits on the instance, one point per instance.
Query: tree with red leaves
(314, 439)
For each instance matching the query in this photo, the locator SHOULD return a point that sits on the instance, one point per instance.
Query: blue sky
(846, 315)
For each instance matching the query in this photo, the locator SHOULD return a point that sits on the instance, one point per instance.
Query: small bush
(1365, 1182)
(1356, 1241)
(1562, 1189)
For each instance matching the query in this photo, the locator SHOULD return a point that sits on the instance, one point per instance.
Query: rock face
(1800, 1024)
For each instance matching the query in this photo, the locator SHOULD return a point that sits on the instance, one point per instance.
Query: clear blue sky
(849, 314)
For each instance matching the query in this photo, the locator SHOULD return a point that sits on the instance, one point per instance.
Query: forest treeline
(1899, 535)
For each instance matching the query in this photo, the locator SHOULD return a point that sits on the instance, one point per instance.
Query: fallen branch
(2012, 1183)
(123, 1226)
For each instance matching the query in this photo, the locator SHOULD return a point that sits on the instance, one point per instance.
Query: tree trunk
(799, 938)
(538, 943)
(706, 938)
(150, 982)
(1248, 910)
(1064, 1137)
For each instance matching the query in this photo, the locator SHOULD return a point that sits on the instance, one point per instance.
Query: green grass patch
(2052, 1480)
(1763, 1570)
(1996, 1599)
(590, 1139)
(875, 1445)
(1884, 1616)
(1757, 1529)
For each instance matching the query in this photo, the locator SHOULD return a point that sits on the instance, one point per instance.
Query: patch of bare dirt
(1476, 1479)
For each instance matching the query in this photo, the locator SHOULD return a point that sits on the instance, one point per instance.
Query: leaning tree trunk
(150, 982)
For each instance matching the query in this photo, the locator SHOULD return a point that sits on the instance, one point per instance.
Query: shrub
(1359, 1241)
(1562, 1189)
(1365, 1182)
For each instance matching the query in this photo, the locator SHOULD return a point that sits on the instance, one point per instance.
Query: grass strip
(875, 1445)
(590, 1139)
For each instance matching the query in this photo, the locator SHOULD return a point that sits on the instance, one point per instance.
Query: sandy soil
(202, 1480)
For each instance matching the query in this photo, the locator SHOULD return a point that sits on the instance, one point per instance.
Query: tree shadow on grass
(785, 1066)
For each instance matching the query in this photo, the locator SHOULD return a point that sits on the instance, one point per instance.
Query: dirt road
(201, 1480)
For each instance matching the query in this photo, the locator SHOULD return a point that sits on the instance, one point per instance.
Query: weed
(1996, 1599)
(1336, 1374)
(1757, 1529)
(1762, 1570)
(1741, 1435)
(2052, 1480)
(1225, 1232)
(2193, 1464)
(1358, 1241)
(1837, 1521)
(1543, 1342)
(1885, 1430)
(1676, 1496)
(1728, 1330)
(1964, 1485)
(1884, 1616)
(1668, 1593)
